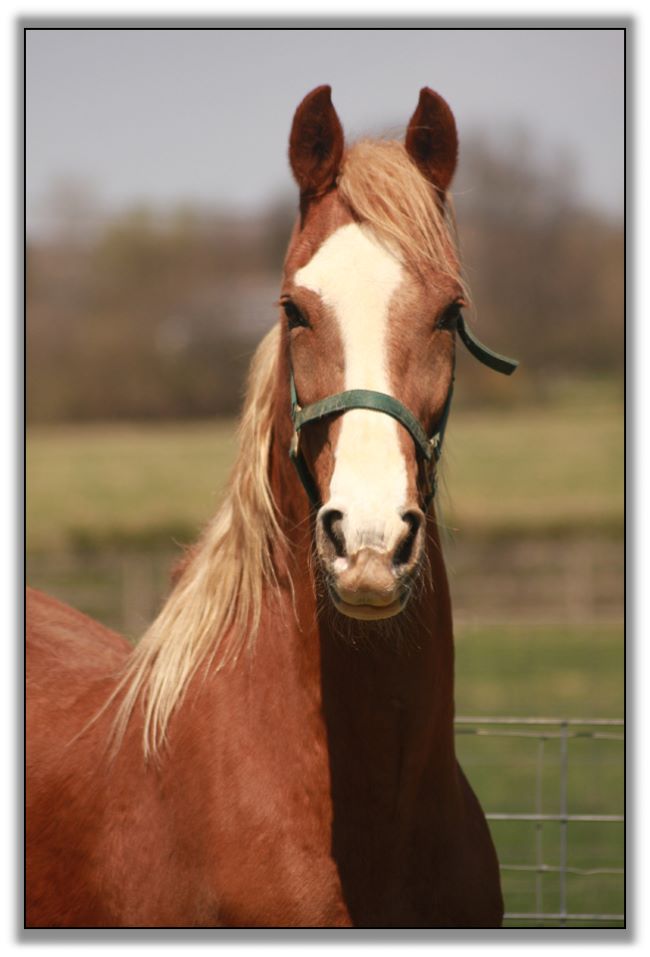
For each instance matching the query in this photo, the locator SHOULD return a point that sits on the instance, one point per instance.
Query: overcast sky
(172, 115)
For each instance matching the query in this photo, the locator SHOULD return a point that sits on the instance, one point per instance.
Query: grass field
(551, 469)
(100, 485)
(106, 503)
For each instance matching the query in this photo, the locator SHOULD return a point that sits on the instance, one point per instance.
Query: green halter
(429, 446)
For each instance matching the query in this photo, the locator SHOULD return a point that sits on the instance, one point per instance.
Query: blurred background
(159, 204)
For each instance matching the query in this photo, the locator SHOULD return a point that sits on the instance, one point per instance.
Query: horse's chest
(257, 827)
(273, 864)
(292, 889)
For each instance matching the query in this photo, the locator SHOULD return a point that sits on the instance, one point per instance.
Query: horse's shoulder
(61, 636)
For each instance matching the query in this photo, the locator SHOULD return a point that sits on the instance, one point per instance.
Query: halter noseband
(429, 446)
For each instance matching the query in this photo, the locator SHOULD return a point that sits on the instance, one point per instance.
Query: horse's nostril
(404, 551)
(331, 522)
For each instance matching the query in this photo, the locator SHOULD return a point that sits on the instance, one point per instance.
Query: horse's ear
(316, 143)
(432, 140)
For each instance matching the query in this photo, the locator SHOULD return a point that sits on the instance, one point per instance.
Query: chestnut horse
(278, 749)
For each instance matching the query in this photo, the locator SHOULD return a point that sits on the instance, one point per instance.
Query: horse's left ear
(432, 140)
(316, 143)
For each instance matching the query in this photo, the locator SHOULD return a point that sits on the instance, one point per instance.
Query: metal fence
(541, 734)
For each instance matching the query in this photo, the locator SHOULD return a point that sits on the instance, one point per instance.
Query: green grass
(98, 485)
(556, 671)
(549, 470)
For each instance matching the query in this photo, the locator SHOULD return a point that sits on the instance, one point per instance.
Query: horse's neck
(388, 698)
(386, 688)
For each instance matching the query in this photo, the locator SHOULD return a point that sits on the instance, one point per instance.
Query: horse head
(371, 297)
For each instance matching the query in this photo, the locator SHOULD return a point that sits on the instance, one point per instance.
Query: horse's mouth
(369, 610)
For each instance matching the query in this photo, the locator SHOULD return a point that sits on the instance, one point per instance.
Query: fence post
(539, 827)
(564, 811)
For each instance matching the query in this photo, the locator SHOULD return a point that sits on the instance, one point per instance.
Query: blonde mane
(214, 609)
(384, 189)
(213, 612)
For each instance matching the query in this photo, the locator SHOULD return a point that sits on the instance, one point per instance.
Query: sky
(203, 116)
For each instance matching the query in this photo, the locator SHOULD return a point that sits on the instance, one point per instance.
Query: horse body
(310, 779)
(228, 829)
(318, 788)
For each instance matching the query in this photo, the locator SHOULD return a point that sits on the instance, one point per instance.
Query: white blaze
(356, 277)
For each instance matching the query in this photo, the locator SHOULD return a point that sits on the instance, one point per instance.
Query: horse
(278, 749)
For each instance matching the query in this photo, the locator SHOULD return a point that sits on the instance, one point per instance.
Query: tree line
(156, 315)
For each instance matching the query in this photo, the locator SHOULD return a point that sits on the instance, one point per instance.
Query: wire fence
(597, 858)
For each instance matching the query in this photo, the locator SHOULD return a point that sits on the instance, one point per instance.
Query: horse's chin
(368, 611)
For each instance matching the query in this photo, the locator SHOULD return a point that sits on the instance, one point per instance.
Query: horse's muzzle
(372, 581)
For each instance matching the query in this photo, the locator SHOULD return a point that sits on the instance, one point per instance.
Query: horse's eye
(449, 318)
(294, 316)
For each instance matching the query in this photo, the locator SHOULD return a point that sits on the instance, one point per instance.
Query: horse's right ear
(316, 143)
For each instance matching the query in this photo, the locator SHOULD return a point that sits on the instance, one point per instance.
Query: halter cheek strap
(429, 446)
(493, 360)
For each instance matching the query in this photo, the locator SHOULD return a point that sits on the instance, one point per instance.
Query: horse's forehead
(351, 265)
